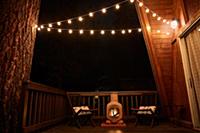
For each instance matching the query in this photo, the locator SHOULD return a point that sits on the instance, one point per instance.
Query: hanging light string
(98, 31)
(104, 10)
(92, 31)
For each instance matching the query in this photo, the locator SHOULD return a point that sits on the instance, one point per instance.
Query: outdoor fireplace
(114, 113)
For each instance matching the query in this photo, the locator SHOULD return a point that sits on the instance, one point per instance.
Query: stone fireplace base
(109, 124)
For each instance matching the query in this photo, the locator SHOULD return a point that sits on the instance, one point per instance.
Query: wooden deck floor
(130, 128)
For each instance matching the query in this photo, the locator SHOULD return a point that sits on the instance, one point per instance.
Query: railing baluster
(88, 99)
(40, 107)
(132, 101)
(104, 106)
(24, 122)
(35, 109)
(99, 105)
(30, 109)
(127, 106)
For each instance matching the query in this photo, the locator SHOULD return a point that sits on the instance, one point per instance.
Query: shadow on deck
(130, 128)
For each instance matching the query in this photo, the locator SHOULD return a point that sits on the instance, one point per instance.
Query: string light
(48, 29)
(117, 6)
(123, 31)
(140, 4)
(129, 30)
(164, 20)
(58, 23)
(59, 30)
(147, 10)
(168, 22)
(50, 25)
(102, 32)
(69, 21)
(159, 18)
(139, 30)
(148, 28)
(113, 32)
(70, 31)
(91, 14)
(154, 14)
(158, 31)
(91, 32)
(103, 10)
(81, 31)
(80, 19)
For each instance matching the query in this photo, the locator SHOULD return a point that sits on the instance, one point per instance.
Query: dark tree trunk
(17, 37)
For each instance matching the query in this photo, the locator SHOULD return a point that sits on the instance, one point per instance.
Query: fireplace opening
(114, 112)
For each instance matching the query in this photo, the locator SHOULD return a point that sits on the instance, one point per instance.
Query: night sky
(89, 63)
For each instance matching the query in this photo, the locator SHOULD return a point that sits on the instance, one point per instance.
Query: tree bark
(17, 38)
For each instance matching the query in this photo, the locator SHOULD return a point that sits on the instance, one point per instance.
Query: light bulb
(69, 21)
(154, 15)
(147, 10)
(199, 29)
(48, 29)
(103, 10)
(91, 14)
(159, 18)
(174, 24)
(113, 32)
(70, 31)
(59, 23)
(91, 32)
(123, 31)
(139, 30)
(50, 25)
(158, 31)
(167, 33)
(42, 26)
(36, 26)
(102, 32)
(168, 22)
(38, 29)
(129, 31)
(59, 30)
(148, 28)
(164, 20)
(81, 31)
(131, 1)
(117, 6)
(80, 19)
(140, 4)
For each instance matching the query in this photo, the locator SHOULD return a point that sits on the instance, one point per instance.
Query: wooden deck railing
(43, 106)
(128, 99)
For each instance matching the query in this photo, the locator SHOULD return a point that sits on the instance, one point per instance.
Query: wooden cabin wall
(185, 12)
(192, 8)
(179, 91)
(159, 47)
(165, 55)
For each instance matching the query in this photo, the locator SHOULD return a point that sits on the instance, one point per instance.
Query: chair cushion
(85, 110)
(146, 110)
